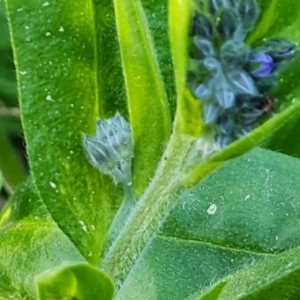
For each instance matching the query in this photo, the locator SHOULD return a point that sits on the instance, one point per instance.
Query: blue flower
(261, 65)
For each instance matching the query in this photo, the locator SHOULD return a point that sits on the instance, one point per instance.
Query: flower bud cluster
(231, 78)
(110, 149)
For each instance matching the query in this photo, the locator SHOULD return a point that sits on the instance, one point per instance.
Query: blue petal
(204, 48)
(211, 113)
(225, 97)
(202, 91)
(265, 64)
(212, 64)
(226, 126)
(242, 83)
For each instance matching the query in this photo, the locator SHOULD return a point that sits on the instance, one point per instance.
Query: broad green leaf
(77, 281)
(146, 95)
(275, 277)
(58, 80)
(214, 229)
(30, 243)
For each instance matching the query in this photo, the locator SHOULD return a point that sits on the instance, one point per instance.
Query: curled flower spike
(110, 149)
(230, 77)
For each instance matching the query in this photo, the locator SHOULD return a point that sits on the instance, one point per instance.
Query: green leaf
(213, 230)
(147, 99)
(110, 89)
(283, 140)
(59, 101)
(275, 277)
(30, 243)
(188, 110)
(214, 292)
(79, 281)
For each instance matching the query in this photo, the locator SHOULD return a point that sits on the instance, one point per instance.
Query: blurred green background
(12, 145)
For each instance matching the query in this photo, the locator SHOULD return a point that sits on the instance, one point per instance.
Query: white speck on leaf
(48, 33)
(247, 197)
(212, 209)
(276, 238)
(84, 228)
(46, 4)
(61, 29)
(23, 72)
(49, 98)
(288, 265)
(20, 9)
(52, 184)
(26, 27)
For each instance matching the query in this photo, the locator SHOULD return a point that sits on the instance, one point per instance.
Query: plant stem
(150, 210)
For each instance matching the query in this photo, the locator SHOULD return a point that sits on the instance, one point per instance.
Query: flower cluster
(110, 149)
(231, 78)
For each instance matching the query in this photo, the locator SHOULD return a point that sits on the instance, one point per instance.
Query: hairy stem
(150, 211)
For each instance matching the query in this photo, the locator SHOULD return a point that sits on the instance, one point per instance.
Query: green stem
(150, 211)
(10, 165)
(121, 216)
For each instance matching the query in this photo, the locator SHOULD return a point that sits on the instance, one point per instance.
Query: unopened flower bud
(235, 54)
(211, 113)
(261, 65)
(201, 26)
(110, 150)
(228, 24)
(248, 11)
(202, 48)
(215, 5)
